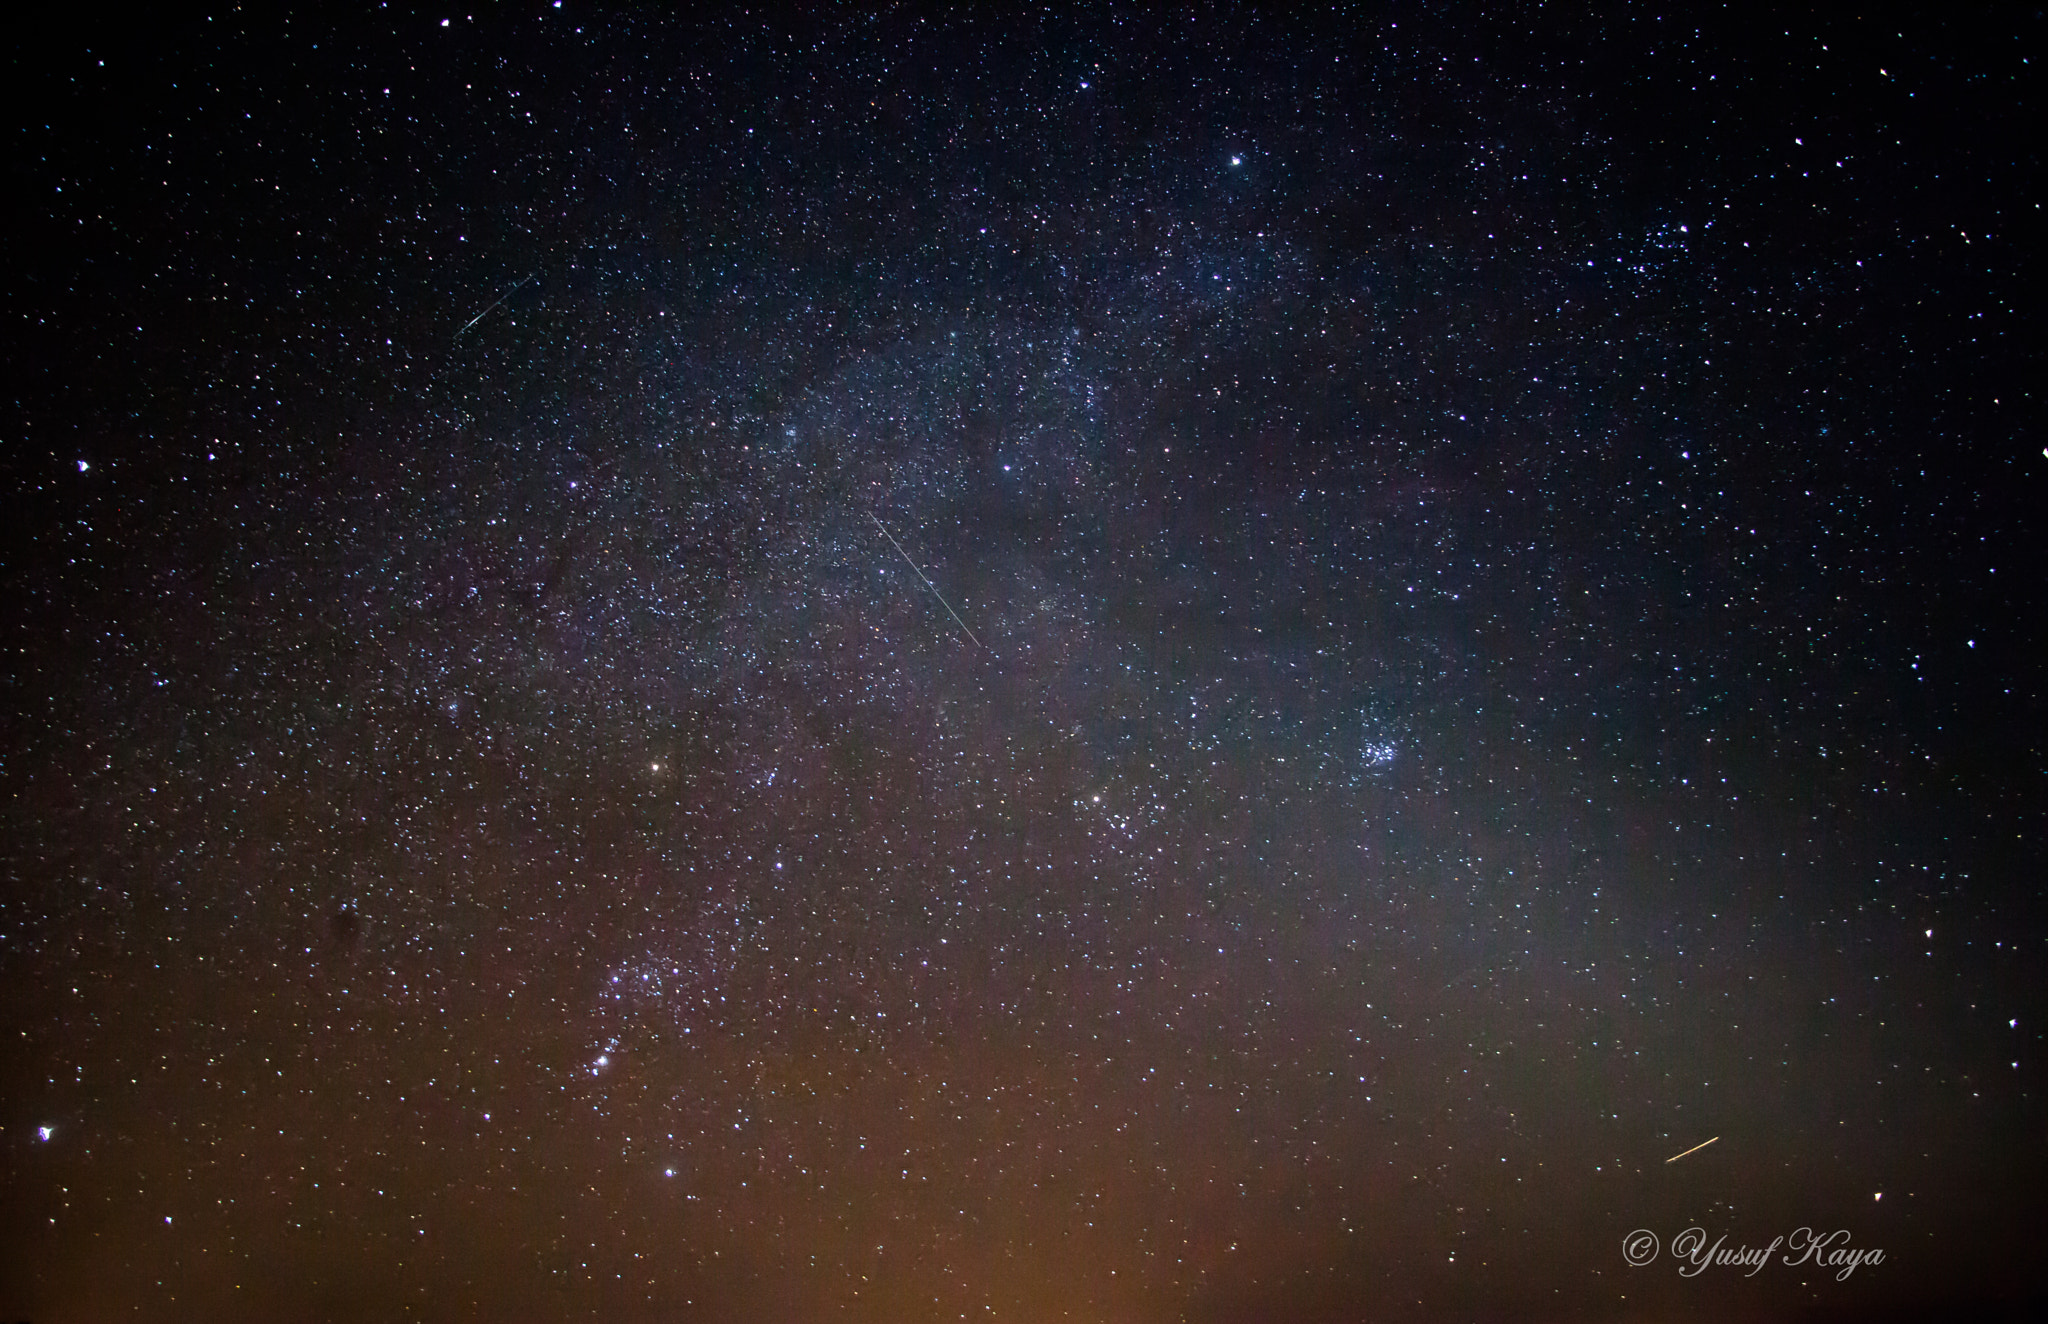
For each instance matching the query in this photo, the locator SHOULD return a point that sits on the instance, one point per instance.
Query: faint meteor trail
(492, 304)
(1694, 1150)
(921, 575)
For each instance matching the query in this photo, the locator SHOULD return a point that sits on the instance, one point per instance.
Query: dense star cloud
(1097, 665)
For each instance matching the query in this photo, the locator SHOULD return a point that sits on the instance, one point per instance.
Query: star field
(1099, 664)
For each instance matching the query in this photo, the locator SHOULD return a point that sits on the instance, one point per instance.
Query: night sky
(1088, 664)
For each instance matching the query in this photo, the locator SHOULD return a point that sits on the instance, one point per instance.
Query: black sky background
(1500, 551)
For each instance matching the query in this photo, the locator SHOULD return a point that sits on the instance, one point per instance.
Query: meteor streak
(1694, 1150)
(492, 304)
(921, 575)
